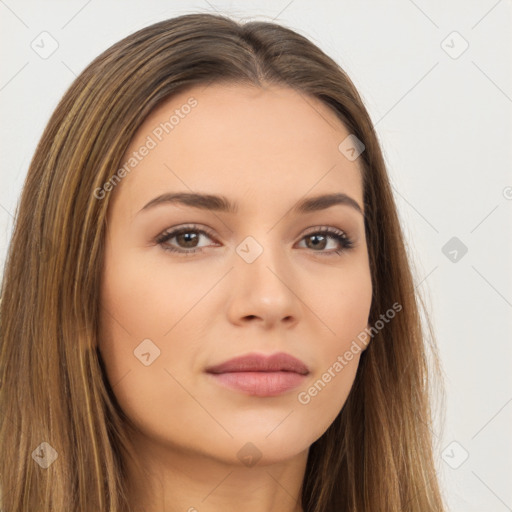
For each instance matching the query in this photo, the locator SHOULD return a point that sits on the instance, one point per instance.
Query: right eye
(182, 236)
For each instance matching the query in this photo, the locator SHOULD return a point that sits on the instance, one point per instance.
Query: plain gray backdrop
(436, 78)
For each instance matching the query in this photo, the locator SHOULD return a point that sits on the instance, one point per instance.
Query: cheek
(322, 398)
(341, 300)
(344, 307)
(138, 308)
(146, 311)
(130, 298)
(130, 295)
(140, 299)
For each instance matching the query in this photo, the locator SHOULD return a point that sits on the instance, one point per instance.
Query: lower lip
(260, 383)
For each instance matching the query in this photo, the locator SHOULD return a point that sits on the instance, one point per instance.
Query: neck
(172, 479)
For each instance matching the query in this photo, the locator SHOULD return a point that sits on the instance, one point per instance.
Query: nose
(264, 289)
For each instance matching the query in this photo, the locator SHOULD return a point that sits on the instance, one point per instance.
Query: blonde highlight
(376, 455)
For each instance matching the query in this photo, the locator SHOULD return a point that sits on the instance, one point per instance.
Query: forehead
(234, 139)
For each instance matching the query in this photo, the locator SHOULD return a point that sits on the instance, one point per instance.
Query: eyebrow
(223, 204)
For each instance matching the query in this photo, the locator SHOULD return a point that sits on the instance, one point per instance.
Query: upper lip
(261, 363)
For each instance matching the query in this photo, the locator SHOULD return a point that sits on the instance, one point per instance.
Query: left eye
(188, 236)
(325, 234)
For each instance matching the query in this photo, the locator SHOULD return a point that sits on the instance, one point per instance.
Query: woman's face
(263, 279)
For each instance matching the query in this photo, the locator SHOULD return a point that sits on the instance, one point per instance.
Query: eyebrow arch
(223, 204)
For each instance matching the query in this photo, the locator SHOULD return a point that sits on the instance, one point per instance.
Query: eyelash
(333, 233)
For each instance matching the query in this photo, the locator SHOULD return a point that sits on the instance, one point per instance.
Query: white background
(445, 127)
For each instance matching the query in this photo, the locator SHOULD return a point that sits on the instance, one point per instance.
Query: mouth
(260, 375)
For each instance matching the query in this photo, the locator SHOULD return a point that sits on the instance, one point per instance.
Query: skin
(265, 148)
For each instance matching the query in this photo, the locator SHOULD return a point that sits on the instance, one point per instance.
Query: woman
(281, 366)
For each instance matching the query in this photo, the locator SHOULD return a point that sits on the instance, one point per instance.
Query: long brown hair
(378, 453)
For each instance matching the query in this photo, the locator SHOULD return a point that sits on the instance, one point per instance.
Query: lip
(260, 375)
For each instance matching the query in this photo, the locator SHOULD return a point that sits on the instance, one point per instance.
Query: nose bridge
(263, 286)
(260, 227)
(262, 267)
(260, 249)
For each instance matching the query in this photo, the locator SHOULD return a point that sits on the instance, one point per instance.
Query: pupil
(317, 237)
(188, 238)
